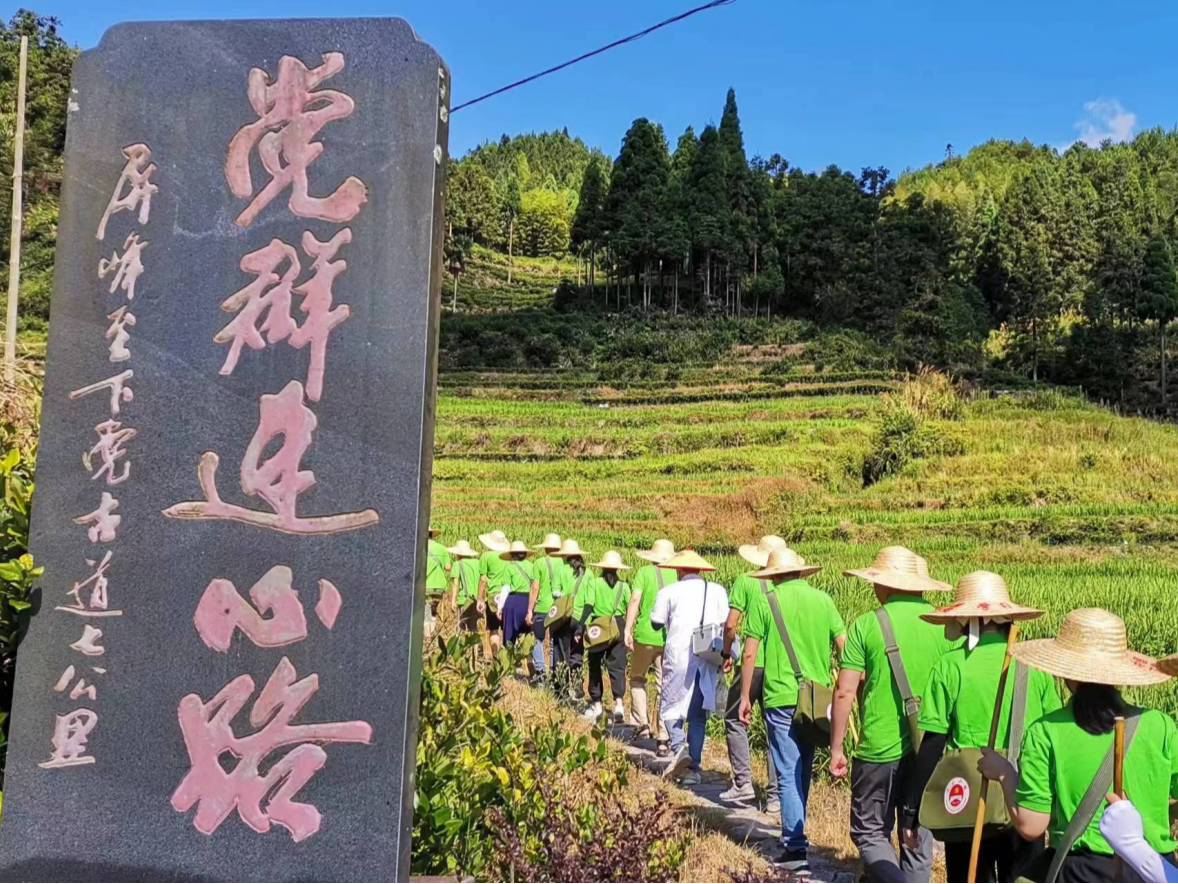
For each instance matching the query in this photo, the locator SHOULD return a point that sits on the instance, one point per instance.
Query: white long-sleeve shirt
(679, 607)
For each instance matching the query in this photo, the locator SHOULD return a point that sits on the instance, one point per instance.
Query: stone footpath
(744, 825)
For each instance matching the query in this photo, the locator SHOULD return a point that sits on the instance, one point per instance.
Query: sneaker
(592, 713)
(662, 749)
(794, 862)
(739, 795)
(691, 778)
(678, 765)
(619, 712)
(773, 806)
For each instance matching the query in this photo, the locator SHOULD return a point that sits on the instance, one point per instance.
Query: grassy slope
(1073, 505)
(484, 285)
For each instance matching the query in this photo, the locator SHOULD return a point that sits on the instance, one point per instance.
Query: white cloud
(1105, 119)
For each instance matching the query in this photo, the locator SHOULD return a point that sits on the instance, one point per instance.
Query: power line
(616, 43)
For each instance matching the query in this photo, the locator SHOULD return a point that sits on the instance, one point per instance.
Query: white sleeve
(661, 612)
(717, 603)
(1123, 829)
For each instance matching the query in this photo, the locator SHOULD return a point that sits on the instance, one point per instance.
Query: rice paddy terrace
(1073, 504)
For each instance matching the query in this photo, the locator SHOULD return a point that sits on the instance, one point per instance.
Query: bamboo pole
(1119, 757)
(980, 820)
(18, 176)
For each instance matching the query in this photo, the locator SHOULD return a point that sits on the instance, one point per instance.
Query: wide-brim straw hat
(659, 552)
(1092, 646)
(688, 560)
(981, 594)
(517, 546)
(462, 550)
(786, 561)
(496, 541)
(758, 553)
(434, 532)
(569, 548)
(899, 568)
(550, 543)
(611, 561)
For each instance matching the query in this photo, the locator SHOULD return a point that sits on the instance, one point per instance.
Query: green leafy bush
(900, 437)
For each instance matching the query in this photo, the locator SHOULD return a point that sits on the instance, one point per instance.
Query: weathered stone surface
(181, 571)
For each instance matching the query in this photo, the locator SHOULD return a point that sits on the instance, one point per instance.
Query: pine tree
(738, 187)
(1159, 290)
(589, 222)
(709, 211)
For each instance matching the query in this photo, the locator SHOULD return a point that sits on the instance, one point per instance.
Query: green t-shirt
(495, 570)
(646, 581)
(604, 595)
(883, 731)
(959, 697)
(1059, 760)
(813, 624)
(744, 588)
(437, 560)
(520, 575)
(549, 571)
(466, 572)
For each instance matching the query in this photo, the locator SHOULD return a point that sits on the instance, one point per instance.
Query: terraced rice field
(1073, 504)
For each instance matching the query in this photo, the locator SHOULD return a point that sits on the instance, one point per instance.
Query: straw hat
(758, 554)
(785, 561)
(462, 550)
(550, 543)
(569, 548)
(659, 552)
(1169, 665)
(688, 560)
(1092, 647)
(517, 546)
(981, 594)
(899, 568)
(434, 532)
(611, 561)
(496, 541)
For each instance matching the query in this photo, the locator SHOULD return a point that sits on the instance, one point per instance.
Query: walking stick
(1119, 757)
(980, 819)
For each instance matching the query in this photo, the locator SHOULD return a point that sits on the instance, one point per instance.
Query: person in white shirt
(689, 681)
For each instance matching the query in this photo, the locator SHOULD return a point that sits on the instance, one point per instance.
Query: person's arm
(931, 749)
(454, 593)
(632, 616)
(844, 700)
(1031, 824)
(482, 599)
(532, 595)
(1123, 829)
(730, 625)
(840, 644)
(747, 667)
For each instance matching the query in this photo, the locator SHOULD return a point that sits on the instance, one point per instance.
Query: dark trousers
(612, 659)
(1081, 865)
(567, 657)
(1001, 857)
(515, 612)
(737, 733)
(878, 789)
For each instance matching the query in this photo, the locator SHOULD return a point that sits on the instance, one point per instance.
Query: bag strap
(900, 676)
(522, 573)
(617, 597)
(704, 610)
(783, 633)
(1097, 789)
(658, 576)
(1018, 713)
(551, 576)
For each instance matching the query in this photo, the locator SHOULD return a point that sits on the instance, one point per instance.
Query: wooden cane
(980, 819)
(1119, 757)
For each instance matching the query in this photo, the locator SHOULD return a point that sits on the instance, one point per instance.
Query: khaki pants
(642, 660)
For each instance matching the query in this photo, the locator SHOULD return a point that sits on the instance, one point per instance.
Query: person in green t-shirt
(814, 629)
(610, 598)
(492, 578)
(1063, 751)
(646, 643)
(437, 576)
(957, 711)
(549, 570)
(522, 582)
(885, 755)
(736, 733)
(464, 585)
(567, 647)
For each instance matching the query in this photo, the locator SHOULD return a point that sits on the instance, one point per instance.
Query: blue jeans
(793, 758)
(538, 647)
(696, 724)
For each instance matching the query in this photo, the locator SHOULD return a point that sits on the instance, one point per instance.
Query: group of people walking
(952, 708)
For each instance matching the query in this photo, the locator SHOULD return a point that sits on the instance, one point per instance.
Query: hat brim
(606, 567)
(753, 554)
(461, 554)
(507, 554)
(983, 610)
(1047, 655)
(649, 555)
(803, 571)
(547, 549)
(492, 544)
(899, 580)
(433, 532)
(569, 555)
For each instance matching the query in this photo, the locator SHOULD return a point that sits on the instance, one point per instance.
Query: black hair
(1096, 707)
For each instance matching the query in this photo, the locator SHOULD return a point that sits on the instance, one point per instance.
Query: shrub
(932, 394)
(900, 437)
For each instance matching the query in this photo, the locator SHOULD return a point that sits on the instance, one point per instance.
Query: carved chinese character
(128, 266)
(276, 479)
(70, 733)
(290, 116)
(120, 392)
(209, 738)
(96, 605)
(109, 448)
(118, 335)
(136, 178)
(103, 522)
(88, 643)
(222, 610)
(81, 688)
(270, 294)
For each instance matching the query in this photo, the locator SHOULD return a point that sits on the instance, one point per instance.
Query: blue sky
(824, 81)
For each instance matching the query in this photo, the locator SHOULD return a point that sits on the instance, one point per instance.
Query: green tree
(637, 200)
(589, 222)
(1159, 296)
(708, 210)
(738, 187)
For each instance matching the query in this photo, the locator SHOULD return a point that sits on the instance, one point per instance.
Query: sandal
(663, 749)
(643, 733)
